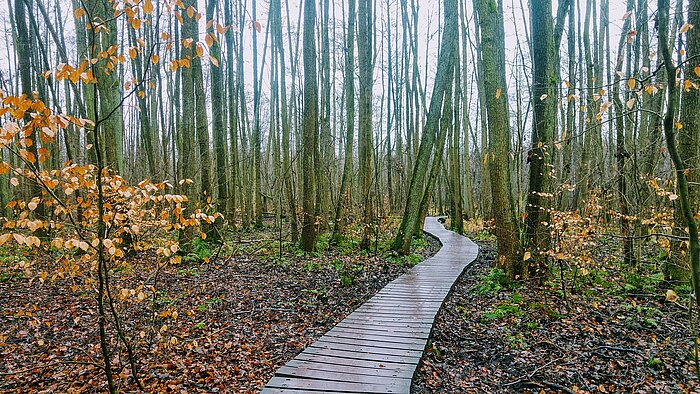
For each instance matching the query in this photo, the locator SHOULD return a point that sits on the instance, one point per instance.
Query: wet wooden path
(377, 348)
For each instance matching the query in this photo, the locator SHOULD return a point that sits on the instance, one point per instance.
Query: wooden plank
(377, 338)
(381, 358)
(384, 328)
(349, 369)
(391, 322)
(367, 348)
(270, 390)
(349, 331)
(374, 343)
(404, 304)
(339, 376)
(363, 316)
(332, 360)
(392, 386)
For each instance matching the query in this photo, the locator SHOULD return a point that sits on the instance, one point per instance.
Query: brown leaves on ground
(531, 340)
(223, 326)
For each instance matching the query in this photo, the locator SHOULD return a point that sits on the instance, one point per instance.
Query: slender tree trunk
(364, 45)
(621, 153)
(23, 52)
(344, 199)
(682, 186)
(310, 129)
(492, 47)
(186, 128)
(257, 138)
(232, 114)
(540, 156)
(217, 109)
(687, 139)
(110, 91)
(287, 174)
(455, 167)
(443, 78)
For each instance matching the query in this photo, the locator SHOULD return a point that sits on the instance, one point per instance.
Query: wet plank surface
(377, 348)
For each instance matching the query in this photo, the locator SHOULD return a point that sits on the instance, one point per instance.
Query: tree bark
(492, 47)
(310, 129)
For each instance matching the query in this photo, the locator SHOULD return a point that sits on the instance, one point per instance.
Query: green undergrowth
(341, 254)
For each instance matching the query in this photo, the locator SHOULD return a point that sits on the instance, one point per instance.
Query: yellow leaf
(136, 23)
(14, 181)
(133, 53)
(199, 50)
(190, 11)
(697, 70)
(685, 28)
(527, 256)
(33, 241)
(671, 296)
(155, 58)
(57, 243)
(5, 237)
(631, 83)
(32, 205)
(498, 93)
(19, 238)
(78, 13)
(148, 7)
(673, 197)
(214, 61)
(209, 40)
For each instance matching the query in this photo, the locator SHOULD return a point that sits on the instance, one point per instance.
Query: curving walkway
(377, 348)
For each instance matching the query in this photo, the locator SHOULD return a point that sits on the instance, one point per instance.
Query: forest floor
(221, 326)
(226, 320)
(609, 333)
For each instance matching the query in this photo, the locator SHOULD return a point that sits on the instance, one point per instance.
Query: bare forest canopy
(354, 110)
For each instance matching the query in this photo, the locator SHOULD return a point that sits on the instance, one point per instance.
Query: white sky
(428, 26)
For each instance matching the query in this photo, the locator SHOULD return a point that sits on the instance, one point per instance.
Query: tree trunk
(217, 107)
(492, 47)
(186, 126)
(364, 45)
(540, 156)
(443, 78)
(110, 91)
(344, 199)
(310, 129)
(682, 186)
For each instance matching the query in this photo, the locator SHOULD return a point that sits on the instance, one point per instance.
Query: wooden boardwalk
(377, 348)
